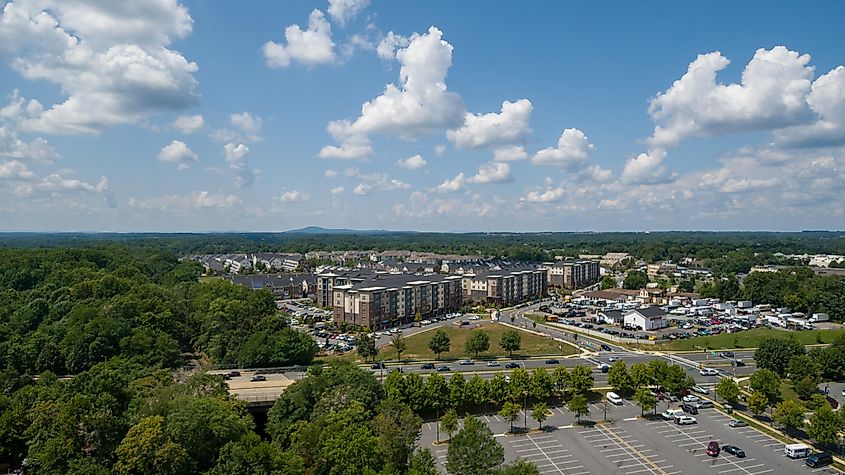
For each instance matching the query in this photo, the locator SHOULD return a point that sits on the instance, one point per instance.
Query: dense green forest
(725, 252)
(120, 326)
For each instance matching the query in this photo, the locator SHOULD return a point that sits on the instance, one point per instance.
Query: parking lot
(629, 445)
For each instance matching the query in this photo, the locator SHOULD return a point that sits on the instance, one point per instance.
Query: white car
(614, 398)
(491, 364)
(700, 389)
(691, 398)
(670, 414)
(613, 359)
(708, 372)
(685, 420)
(475, 317)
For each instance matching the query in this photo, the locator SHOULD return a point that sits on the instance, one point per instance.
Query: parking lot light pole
(525, 411)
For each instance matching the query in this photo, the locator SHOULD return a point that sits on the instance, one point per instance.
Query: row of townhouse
(283, 286)
(237, 263)
(573, 273)
(389, 300)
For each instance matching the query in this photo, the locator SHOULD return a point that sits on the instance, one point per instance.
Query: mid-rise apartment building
(504, 287)
(573, 274)
(388, 300)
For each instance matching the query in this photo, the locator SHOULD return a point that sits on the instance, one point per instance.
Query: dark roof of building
(613, 314)
(650, 312)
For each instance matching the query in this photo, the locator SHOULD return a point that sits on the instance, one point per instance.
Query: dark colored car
(427, 366)
(234, 374)
(512, 365)
(737, 363)
(689, 409)
(734, 450)
(552, 361)
(713, 449)
(226, 377)
(443, 368)
(819, 460)
(605, 347)
(379, 365)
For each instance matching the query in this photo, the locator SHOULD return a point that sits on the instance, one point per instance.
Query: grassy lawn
(748, 339)
(532, 345)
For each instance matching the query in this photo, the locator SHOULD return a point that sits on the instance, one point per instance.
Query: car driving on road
(427, 366)
(552, 361)
(491, 364)
(708, 372)
(258, 377)
(466, 362)
(443, 368)
(512, 365)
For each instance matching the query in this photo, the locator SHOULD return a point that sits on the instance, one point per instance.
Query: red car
(713, 449)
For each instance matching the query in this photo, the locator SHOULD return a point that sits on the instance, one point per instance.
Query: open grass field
(532, 345)
(748, 339)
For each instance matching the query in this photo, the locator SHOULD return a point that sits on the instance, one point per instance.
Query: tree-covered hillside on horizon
(724, 252)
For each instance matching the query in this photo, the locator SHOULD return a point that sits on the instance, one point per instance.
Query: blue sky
(157, 115)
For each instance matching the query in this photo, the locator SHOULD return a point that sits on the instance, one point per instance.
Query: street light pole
(525, 411)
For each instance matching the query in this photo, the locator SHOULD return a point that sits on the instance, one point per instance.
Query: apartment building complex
(504, 287)
(573, 274)
(388, 300)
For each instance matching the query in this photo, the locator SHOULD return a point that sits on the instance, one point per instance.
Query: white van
(614, 398)
(796, 451)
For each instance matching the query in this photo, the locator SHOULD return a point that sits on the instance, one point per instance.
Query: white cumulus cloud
(188, 124)
(572, 151)
(236, 157)
(414, 162)
(312, 46)
(451, 185)
(111, 60)
(647, 168)
(178, 152)
(294, 196)
(550, 195)
(510, 153)
(343, 11)
(481, 130)
(493, 172)
(420, 104)
(772, 94)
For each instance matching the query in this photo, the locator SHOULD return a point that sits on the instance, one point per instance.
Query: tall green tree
(645, 399)
(789, 414)
(478, 342)
(541, 385)
(728, 390)
(397, 429)
(776, 353)
(825, 425)
(635, 280)
(619, 379)
(578, 405)
(439, 343)
(147, 449)
(510, 341)
(560, 377)
(422, 463)
(449, 422)
(518, 467)
(581, 380)
(767, 382)
(640, 375)
(366, 346)
(757, 402)
(520, 384)
(540, 412)
(399, 345)
(473, 450)
(510, 412)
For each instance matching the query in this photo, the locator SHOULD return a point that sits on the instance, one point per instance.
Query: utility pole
(438, 424)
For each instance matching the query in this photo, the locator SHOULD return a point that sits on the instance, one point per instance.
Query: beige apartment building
(504, 287)
(389, 300)
(573, 274)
